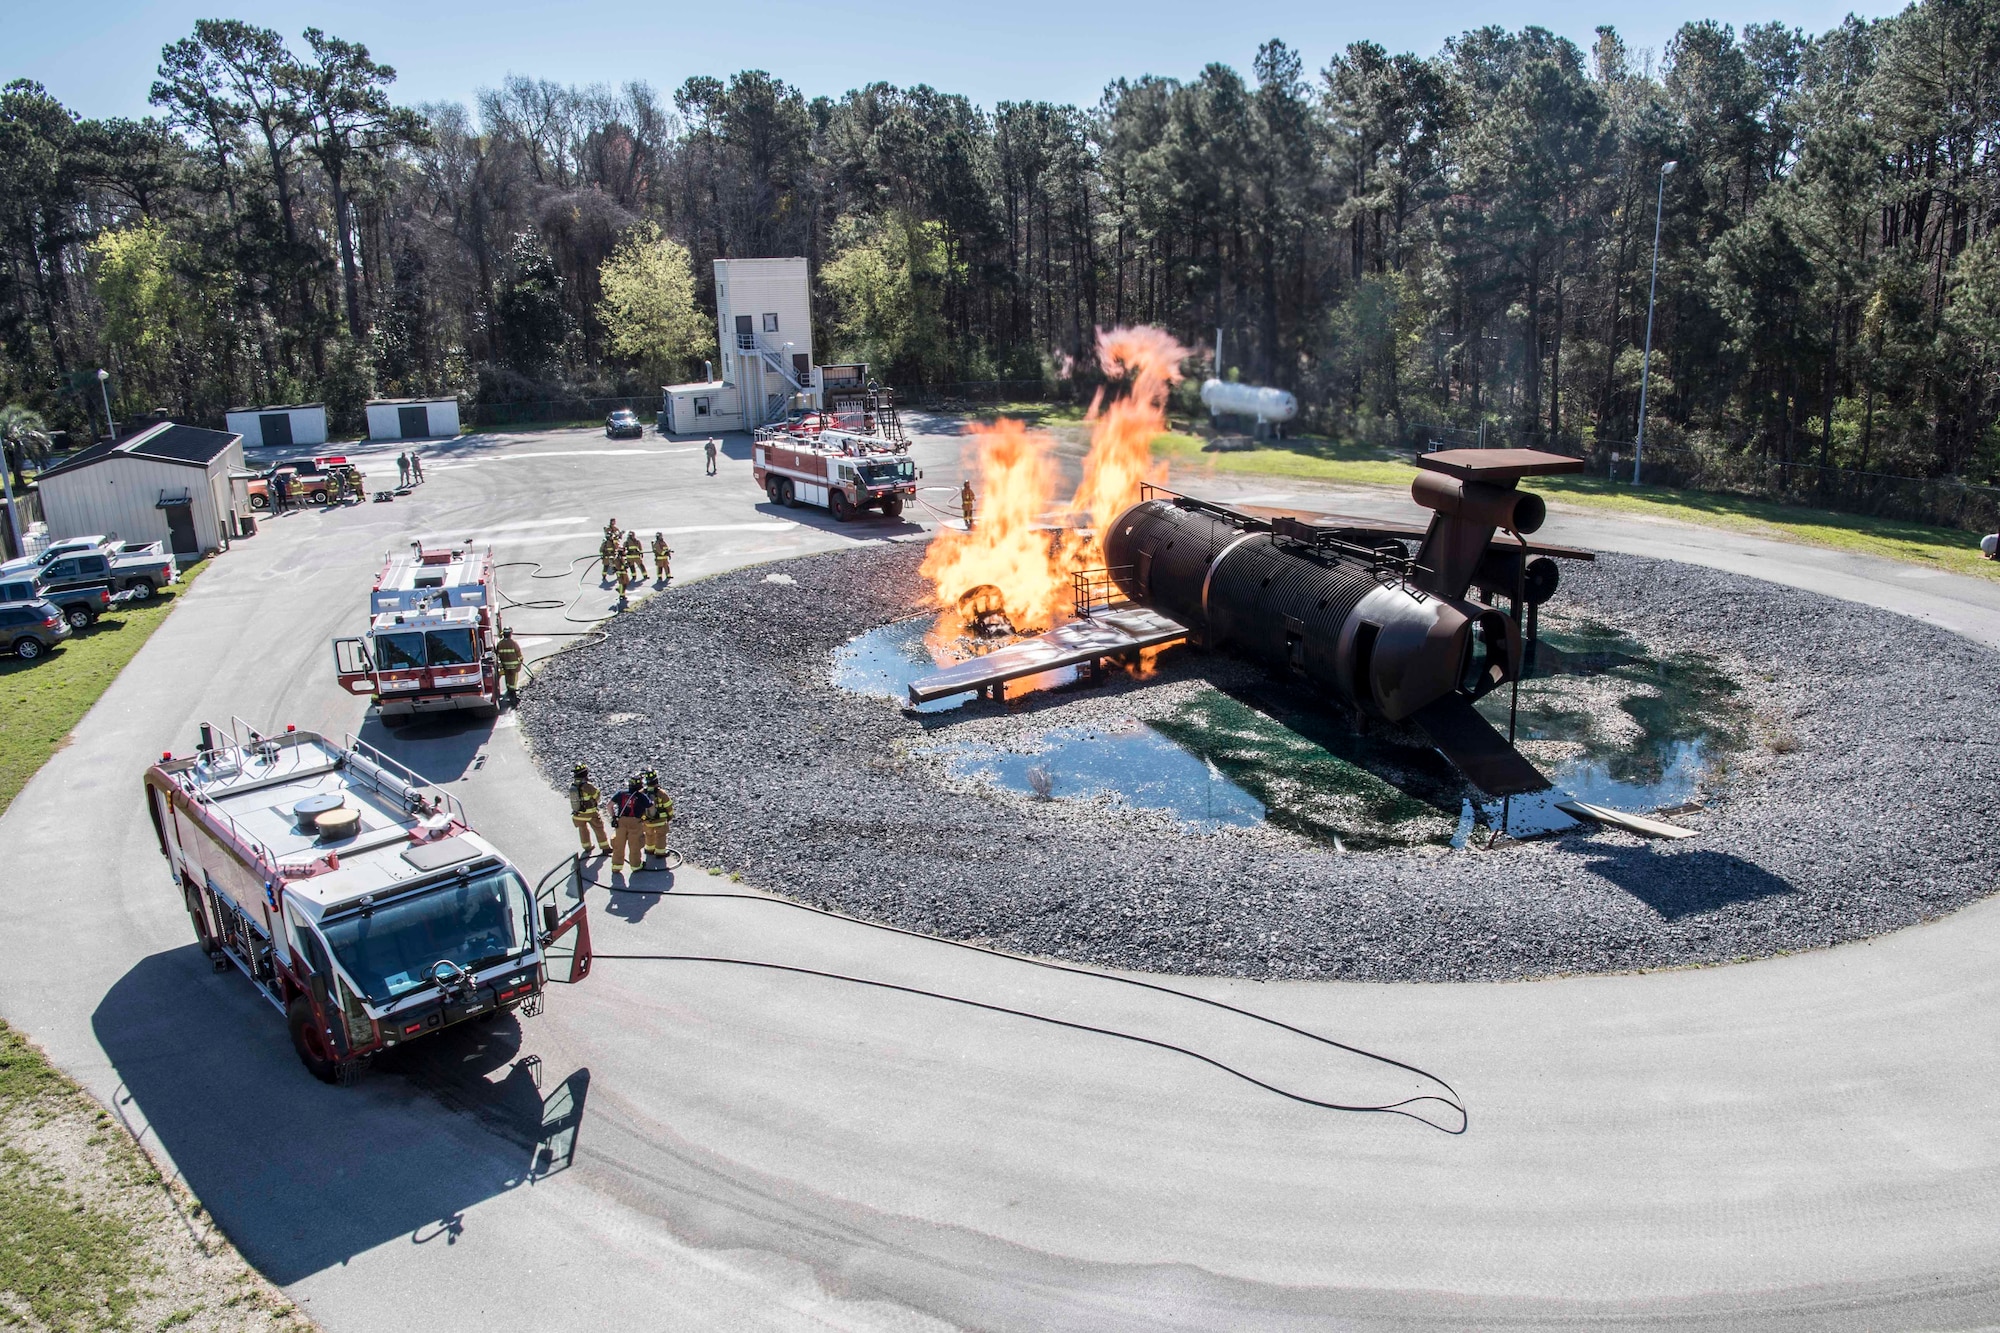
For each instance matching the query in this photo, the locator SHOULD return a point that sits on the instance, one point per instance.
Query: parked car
(81, 604)
(32, 628)
(138, 568)
(624, 424)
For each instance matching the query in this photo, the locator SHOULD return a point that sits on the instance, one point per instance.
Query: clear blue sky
(99, 57)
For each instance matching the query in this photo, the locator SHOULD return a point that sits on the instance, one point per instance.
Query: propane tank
(1222, 397)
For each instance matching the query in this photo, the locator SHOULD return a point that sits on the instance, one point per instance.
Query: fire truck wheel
(892, 506)
(310, 1042)
(773, 492)
(842, 507)
(786, 495)
(196, 916)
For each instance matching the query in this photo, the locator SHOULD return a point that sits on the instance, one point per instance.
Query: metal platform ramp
(1110, 633)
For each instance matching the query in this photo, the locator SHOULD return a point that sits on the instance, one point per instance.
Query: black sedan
(624, 424)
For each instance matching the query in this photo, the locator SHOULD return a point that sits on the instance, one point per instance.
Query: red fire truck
(845, 471)
(434, 618)
(354, 894)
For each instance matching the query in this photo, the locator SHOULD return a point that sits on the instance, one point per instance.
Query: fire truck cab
(434, 619)
(353, 893)
(844, 471)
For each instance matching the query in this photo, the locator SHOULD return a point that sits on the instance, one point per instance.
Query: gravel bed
(1863, 805)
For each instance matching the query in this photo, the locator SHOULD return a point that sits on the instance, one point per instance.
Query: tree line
(1462, 238)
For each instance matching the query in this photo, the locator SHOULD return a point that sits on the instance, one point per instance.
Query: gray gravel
(1864, 806)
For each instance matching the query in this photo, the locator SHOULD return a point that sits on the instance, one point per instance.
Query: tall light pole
(1646, 370)
(111, 427)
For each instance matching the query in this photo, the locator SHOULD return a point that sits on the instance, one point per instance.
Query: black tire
(787, 495)
(141, 590)
(774, 491)
(28, 649)
(892, 506)
(79, 617)
(309, 1042)
(842, 507)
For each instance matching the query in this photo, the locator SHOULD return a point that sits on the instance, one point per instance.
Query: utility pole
(1218, 351)
(1653, 290)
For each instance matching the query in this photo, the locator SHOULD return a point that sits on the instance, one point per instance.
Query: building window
(770, 323)
(701, 407)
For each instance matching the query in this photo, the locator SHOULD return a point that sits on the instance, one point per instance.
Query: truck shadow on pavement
(442, 748)
(304, 1176)
(860, 529)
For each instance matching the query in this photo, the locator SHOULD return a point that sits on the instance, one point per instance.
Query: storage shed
(689, 409)
(168, 483)
(279, 427)
(412, 418)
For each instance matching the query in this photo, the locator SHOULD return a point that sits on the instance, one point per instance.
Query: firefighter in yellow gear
(965, 502)
(583, 809)
(662, 556)
(607, 557)
(635, 558)
(660, 818)
(507, 654)
(628, 834)
(624, 581)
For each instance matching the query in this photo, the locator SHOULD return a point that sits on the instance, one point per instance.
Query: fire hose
(1408, 1107)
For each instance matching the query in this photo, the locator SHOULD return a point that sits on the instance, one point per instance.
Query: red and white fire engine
(354, 894)
(845, 471)
(434, 618)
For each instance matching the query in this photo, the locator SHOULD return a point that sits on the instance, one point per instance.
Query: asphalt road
(1802, 1142)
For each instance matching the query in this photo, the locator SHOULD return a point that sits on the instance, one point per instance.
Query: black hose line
(1401, 1108)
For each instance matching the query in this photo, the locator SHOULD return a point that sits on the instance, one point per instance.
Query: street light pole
(1646, 370)
(104, 386)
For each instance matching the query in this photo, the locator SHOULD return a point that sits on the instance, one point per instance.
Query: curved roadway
(1804, 1142)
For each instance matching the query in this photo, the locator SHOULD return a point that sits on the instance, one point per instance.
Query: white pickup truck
(138, 568)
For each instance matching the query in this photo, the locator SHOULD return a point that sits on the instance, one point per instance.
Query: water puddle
(1606, 720)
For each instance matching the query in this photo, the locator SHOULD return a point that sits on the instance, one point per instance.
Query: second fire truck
(845, 471)
(434, 619)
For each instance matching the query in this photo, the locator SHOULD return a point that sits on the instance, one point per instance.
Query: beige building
(168, 483)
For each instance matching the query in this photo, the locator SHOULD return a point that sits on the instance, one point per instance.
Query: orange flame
(1010, 545)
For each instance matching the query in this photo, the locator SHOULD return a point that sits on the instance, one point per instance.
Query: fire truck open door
(565, 925)
(355, 667)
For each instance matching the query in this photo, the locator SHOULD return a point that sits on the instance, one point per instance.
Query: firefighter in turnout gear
(583, 811)
(608, 556)
(660, 818)
(635, 558)
(662, 555)
(623, 580)
(507, 654)
(965, 502)
(629, 809)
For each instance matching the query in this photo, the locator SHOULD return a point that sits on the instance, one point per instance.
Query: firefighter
(635, 558)
(583, 811)
(607, 556)
(624, 581)
(508, 654)
(965, 501)
(629, 809)
(659, 817)
(662, 557)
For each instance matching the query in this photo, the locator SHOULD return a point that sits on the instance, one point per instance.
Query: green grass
(1324, 460)
(42, 701)
(64, 1263)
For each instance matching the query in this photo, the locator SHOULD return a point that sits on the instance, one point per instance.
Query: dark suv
(32, 628)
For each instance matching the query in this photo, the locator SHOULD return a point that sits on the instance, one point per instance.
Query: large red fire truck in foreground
(434, 618)
(845, 471)
(353, 893)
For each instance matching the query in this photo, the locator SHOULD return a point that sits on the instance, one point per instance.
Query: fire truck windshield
(877, 473)
(408, 650)
(474, 922)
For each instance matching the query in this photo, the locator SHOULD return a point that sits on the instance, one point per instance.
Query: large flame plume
(1011, 546)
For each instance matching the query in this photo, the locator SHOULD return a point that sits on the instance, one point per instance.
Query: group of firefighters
(640, 817)
(624, 561)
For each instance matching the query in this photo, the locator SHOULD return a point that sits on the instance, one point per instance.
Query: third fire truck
(434, 619)
(846, 471)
